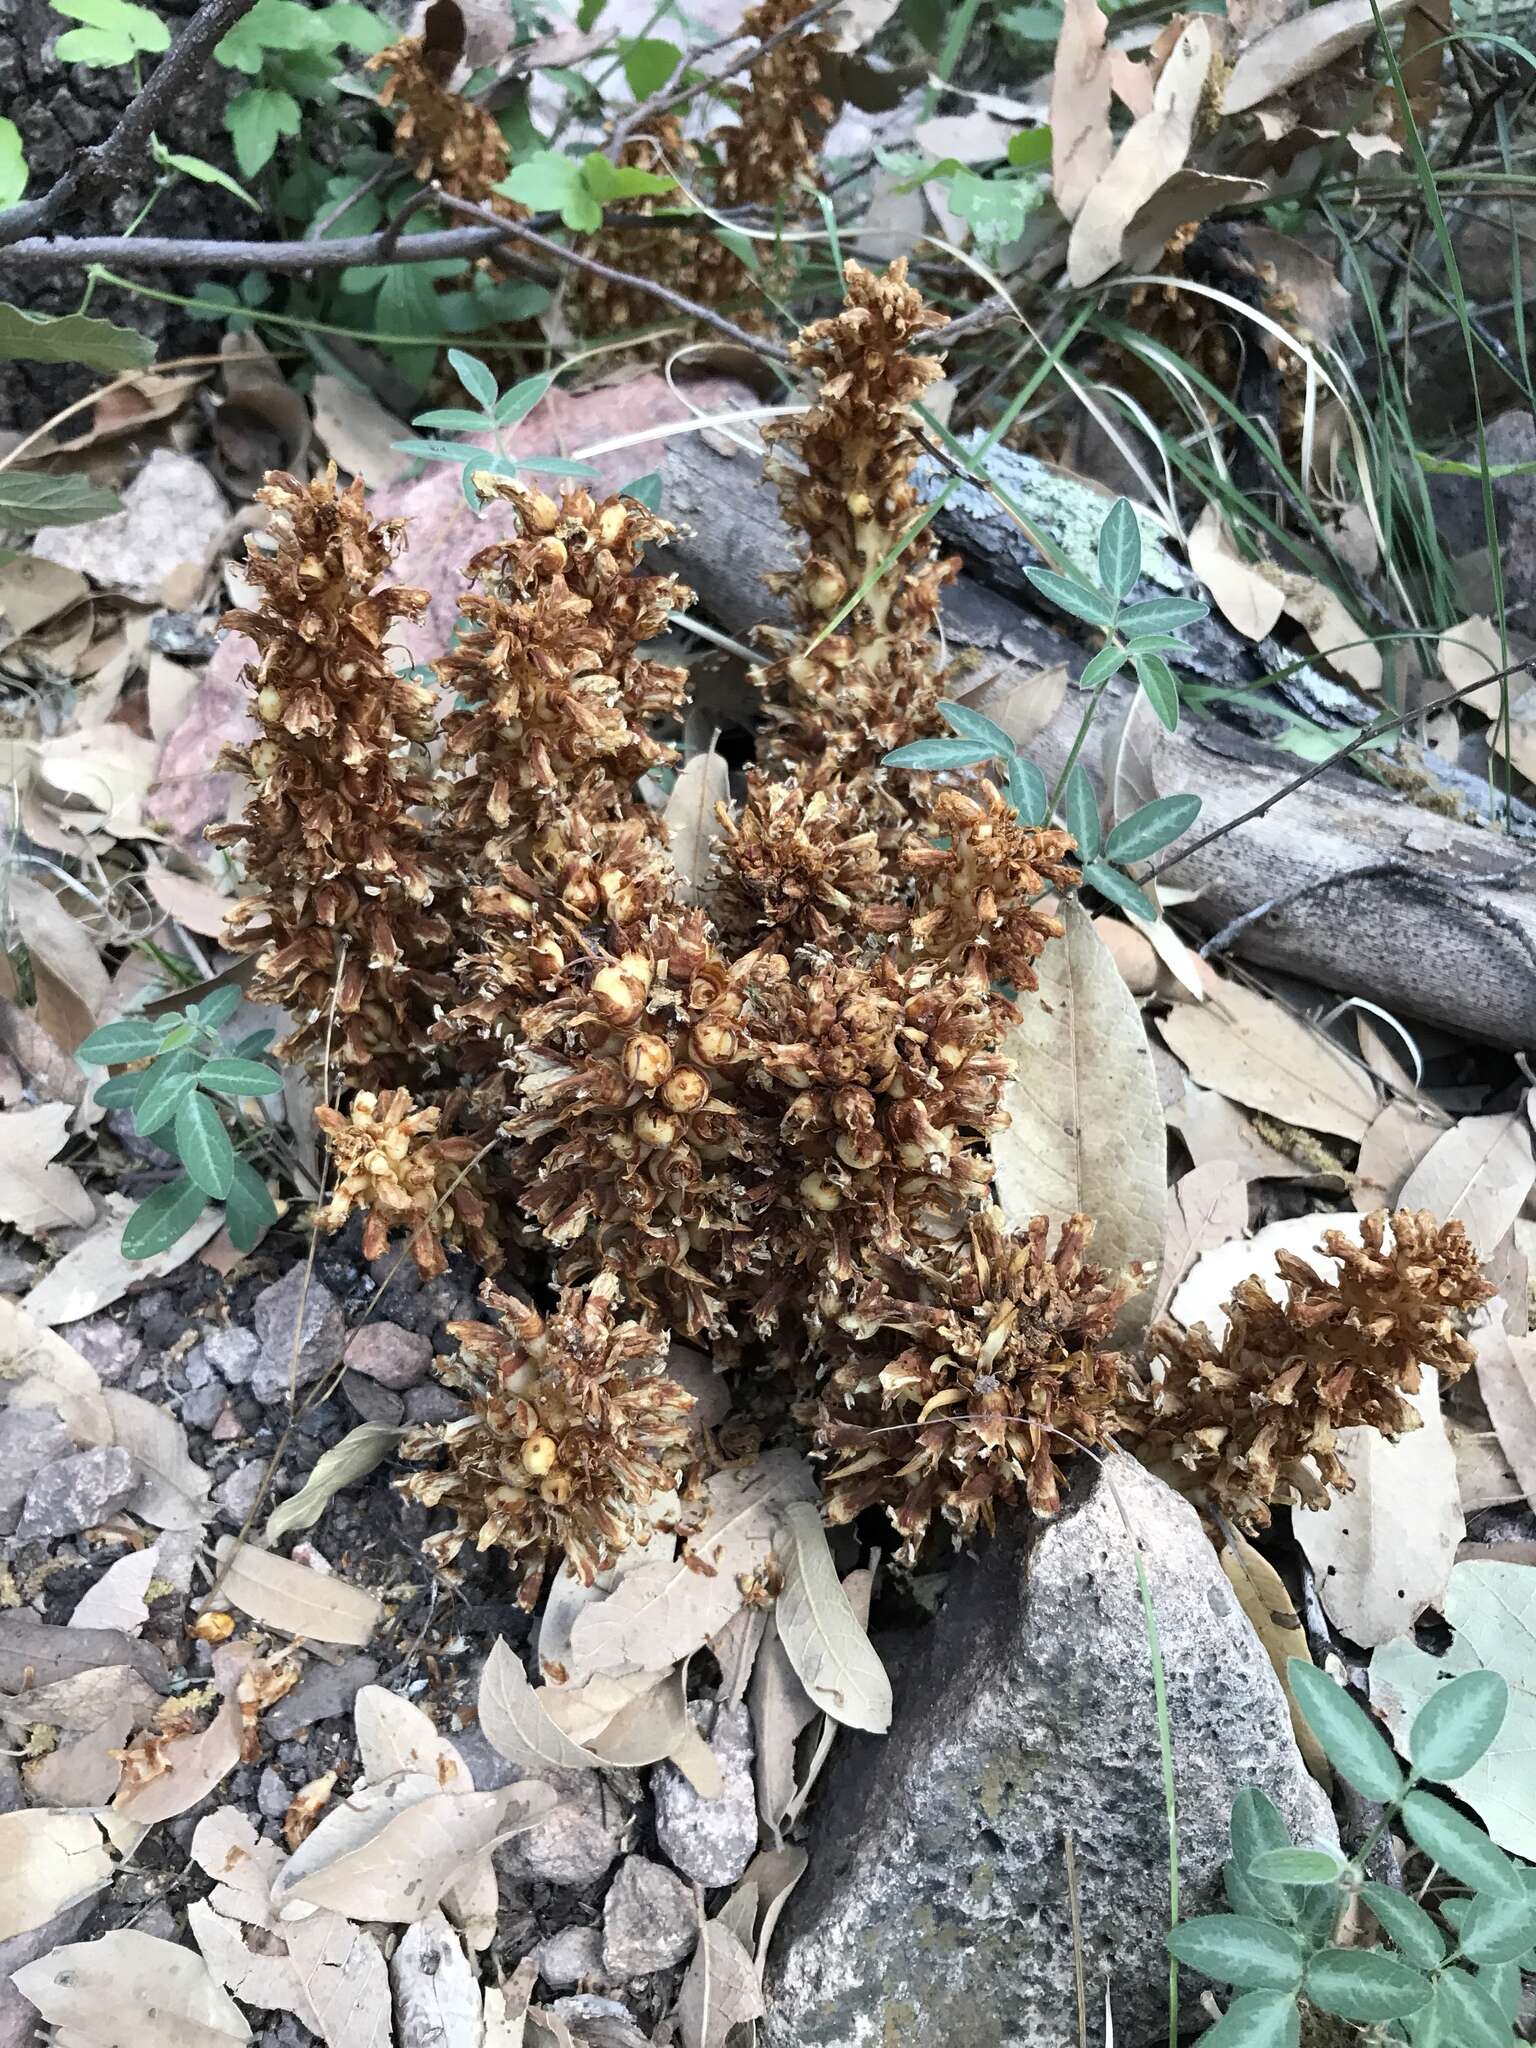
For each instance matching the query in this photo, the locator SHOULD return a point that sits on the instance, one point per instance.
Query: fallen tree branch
(1355, 888)
(112, 161)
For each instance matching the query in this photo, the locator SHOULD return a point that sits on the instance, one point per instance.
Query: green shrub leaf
(169, 1213)
(975, 725)
(1365, 1985)
(1351, 1740)
(229, 1076)
(1499, 1928)
(13, 163)
(1468, 2014)
(649, 62)
(1129, 896)
(516, 404)
(1106, 663)
(1253, 1954)
(1080, 808)
(130, 1038)
(1411, 1928)
(1154, 826)
(1297, 1866)
(1259, 2019)
(121, 1091)
(1257, 1825)
(1068, 595)
(218, 1008)
(71, 338)
(204, 172)
(114, 32)
(249, 1209)
(1120, 549)
(1458, 1844)
(956, 753)
(1161, 615)
(255, 120)
(1157, 680)
(645, 490)
(1027, 791)
(474, 376)
(171, 1078)
(1457, 1723)
(29, 500)
(204, 1146)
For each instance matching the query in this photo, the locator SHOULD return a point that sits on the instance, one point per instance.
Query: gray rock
(202, 1408)
(324, 1691)
(935, 1909)
(196, 1369)
(34, 1652)
(17, 1272)
(173, 512)
(273, 1797)
(649, 1921)
(373, 1402)
(77, 1492)
(12, 1798)
(106, 1345)
(433, 1403)
(182, 636)
(394, 1357)
(29, 1439)
(241, 1491)
(571, 1957)
(582, 1839)
(232, 1353)
(297, 1300)
(599, 2022)
(711, 1840)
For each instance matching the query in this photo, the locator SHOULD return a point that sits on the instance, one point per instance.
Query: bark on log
(1345, 884)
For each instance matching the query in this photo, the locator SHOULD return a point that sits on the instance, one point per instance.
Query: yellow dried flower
(575, 1433)
(391, 1164)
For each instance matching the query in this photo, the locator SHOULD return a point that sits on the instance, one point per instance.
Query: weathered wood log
(1343, 883)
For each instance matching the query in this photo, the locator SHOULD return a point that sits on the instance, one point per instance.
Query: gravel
(75, 1493)
(297, 1301)
(711, 1840)
(649, 1921)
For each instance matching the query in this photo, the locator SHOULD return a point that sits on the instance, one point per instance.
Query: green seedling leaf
(1351, 1740)
(454, 419)
(1120, 549)
(557, 465)
(249, 1209)
(167, 1214)
(1106, 663)
(1297, 1866)
(1457, 1844)
(1466, 2014)
(1253, 1954)
(955, 753)
(29, 500)
(1120, 890)
(516, 404)
(114, 32)
(199, 168)
(130, 1038)
(1365, 1985)
(474, 376)
(645, 490)
(121, 1091)
(230, 1076)
(1499, 1929)
(649, 62)
(218, 1008)
(1030, 149)
(273, 25)
(1157, 680)
(1155, 825)
(204, 1146)
(1411, 1928)
(1457, 1724)
(255, 120)
(995, 209)
(13, 163)
(1162, 614)
(1259, 2019)
(171, 1080)
(1501, 1981)
(358, 27)
(548, 182)
(253, 1044)
(975, 725)
(1027, 790)
(1080, 808)
(1257, 1825)
(607, 181)
(1071, 596)
(439, 451)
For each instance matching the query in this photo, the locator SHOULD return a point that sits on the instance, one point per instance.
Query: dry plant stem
(672, 96)
(110, 162)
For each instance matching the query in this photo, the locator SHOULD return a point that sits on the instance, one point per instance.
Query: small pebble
(711, 1840)
(396, 1358)
(203, 1406)
(232, 1353)
(273, 1797)
(432, 1403)
(571, 1957)
(241, 1490)
(76, 1493)
(649, 1921)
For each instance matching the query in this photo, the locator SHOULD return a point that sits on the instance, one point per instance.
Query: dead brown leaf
(1301, 46)
(1262, 1595)
(1081, 143)
(1208, 1206)
(1478, 1174)
(35, 1195)
(1506, 1379)
(1251, 1048)
(1245, 597)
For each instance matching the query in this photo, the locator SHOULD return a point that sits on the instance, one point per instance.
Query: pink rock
(394, 1357)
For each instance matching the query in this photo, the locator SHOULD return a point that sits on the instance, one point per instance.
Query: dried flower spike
(575, 1433)
(391, 1164)
(342, 883)
(799, 866)
(967, 1379)
(1255, 1417)
(440, 133)
(978, 881)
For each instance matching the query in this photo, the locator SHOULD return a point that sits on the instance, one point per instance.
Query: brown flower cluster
(600, 306)
(391, 1164)
(965, 1379)
(979, 879)
(441, 134)
(840, 701)
(574, 1434)
(342, 910)
(1254, 1418)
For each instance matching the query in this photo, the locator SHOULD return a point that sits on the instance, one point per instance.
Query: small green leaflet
(1457, 1843)
(1457, 1723)
(1411, 1928)
(607, 181)
(13, 163)
(1027, 790)
(1352, 1742)
(516, 404)
(204, 172)
(648, 63)
(203, 1145)
(475, 377)
(230, 1076)
(645, 490)
(1080, 599)
(1120, 889)
(29, 501)
(169, 1213)
(1162, 691)
(1106, 663)
(249, 1209)
(548, 182)
(1233, 1950)
(1499, 1930)
(1365, 1985)
(996, 208)
(975, 725)
(1259, 2019)
(1161, 614)
(1154, 826)
(1120, 550)
(255, 119)
(72, 338)
(115, 32)
(956, 753)
(1080, 807)
(1030, 149)
(130, 1038)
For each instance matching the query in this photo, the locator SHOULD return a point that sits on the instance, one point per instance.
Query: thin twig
(112, 162)
(664, 101)
(1079, 1975)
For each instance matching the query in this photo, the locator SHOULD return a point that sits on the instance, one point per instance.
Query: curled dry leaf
(268, 1981)
(42, 1367)
(282, 1594)
(692, 826)
(504, 2008)
(35, 1195)
(824, 1641)
(1506, 1379)
(649, 1728)
(394, 1736)
(1085, 1130)
(1301, 47)
(1333, 632)
(85, 1772)
(193, 1763)
(437, 1995)
(191, 900)
(720, 1991)
(1399, 1139)
(514, 1720)
(87, 1987)
(345, 1980)
(48, 1860)
(1262, 1595)
(360, 1451)
(781, 1711)
(1249, 1047)
(1082, 145)
(1209, 1208)
(71, 983)
(1247, 599)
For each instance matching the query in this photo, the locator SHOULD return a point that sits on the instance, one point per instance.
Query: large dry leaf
(515, 1723)
(1398, 1139)
(1249, 1047)
(1383, 1553)
(1300, 48)
(1209, 1207)
(266, 1980)
(1086, 1126)
(281, 1594)
(72, 985)
(242, 1864)
(437, 1994)
(1214, 1128)
(393, 1850)
(690, 820)
(720, 1991)
(48, 1369)
(95, 1273)
(85, 1772)
(649, 1728)
(359, 1452)
(198, 1763)
(48, 1860)
(344, 1978)
(1332, 631)
(825, 1643)
(1471, 650)
(1247, 599)
(191, 901)
(660, 1613)
(164, 1992)
(96, 780)
(35, 1195)
(505, 2006)
(1186, 198)
(1478, 1173)
(1023, 705)
(394, 1736)
(117, 1598)
(781, 1711)
(1153, 151)
(1081, 142)
(1506, 1379)
(173, 1491)
(1262, 1595)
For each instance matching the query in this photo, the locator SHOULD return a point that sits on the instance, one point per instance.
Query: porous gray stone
(394, 1357)
(172, 512)
(649, 1920)
(936, 1906)
(241, 1491)
(107, 1346)
(571, 1957)
(273, 1797)
(29, 1439)
(582, 1839)
(232, 1353)
(711, 1840)
(75, 1493)
(297, 1299)
(324, 1691)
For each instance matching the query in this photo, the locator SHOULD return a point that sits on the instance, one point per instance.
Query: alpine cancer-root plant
(754, 1110)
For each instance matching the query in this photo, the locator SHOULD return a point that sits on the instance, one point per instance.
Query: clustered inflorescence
(761, 1119)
